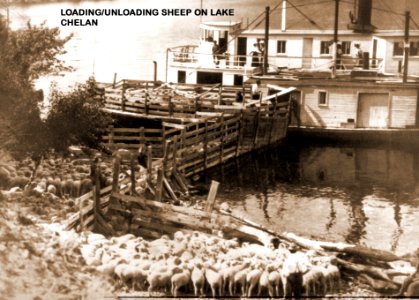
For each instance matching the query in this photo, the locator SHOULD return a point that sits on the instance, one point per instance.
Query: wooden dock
(197, 128)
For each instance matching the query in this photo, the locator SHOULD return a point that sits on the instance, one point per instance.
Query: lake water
(361, 195)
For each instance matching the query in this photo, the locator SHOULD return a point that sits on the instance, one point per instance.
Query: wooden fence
(210, 139)
(182, 101)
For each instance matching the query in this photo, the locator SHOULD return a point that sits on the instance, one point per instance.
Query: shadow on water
(358, 194)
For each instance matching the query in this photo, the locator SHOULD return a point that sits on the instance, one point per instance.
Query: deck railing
(188, 56)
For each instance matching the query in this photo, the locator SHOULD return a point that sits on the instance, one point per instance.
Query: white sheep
(314, 281)
(275, 284)
(214, 279)
(198, 280)
(240, 280)
(161, 279)
(180, 279)
(332, 277)
(263, 282)
(252, 280)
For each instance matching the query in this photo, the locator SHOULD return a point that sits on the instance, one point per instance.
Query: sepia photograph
(198, 149)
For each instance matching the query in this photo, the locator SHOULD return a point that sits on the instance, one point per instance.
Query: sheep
(314, 282)
(180, 279)
(332, 277)
(274, 284)
(67, 186)
(228, 275)
(161, 279)
(52, 189)
(198, 279)
(252, 280)
(214, 279)
(86, 186)
(240, 279)
(263, 282)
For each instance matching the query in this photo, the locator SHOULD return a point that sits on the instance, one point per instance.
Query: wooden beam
(211, 196)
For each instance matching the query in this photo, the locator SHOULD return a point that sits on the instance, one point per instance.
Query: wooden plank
(212, 195)
(282, 92)
(169, 189)
(159, 185)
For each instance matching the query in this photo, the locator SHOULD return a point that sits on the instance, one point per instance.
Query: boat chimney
(361, 22)
(284, 15)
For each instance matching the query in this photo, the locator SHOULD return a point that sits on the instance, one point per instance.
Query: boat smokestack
(361, 22)
(284, 16)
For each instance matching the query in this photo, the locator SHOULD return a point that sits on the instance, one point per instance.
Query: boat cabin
(218, 58)
(300, 38)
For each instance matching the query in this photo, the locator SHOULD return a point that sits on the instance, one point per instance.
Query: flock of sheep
(209, 266)
(56, 178)
(189, 263)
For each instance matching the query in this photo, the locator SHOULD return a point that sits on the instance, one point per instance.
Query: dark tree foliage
(77, 118)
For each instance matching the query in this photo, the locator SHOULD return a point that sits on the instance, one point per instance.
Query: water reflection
(361, 195)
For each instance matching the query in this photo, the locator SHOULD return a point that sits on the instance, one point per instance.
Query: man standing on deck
(215, 52)
(359, 55)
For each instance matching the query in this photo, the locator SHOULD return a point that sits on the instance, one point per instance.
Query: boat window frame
(326, 98)
(400, 48)
(278, 42)
(346, 47)
(325, 45)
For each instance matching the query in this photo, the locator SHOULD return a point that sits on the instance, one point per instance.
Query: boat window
(322, 98)
(398, 48)
(346, 47)
(325, 47)
(414, 48)
(281, 47)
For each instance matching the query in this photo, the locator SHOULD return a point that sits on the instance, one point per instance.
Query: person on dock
(256, 90)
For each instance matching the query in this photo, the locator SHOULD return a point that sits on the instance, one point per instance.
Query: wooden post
(165, 155)
(206, 145)
(149, 175)
(146, 103)
(170, 106)
(406, 46)
(169, 189)
(220, 90)
(211, 196)
(111, 138)
(240, 134)
(256, 130)
(197, 108)
(132, 167)
(266, 41)
(274, 120)
(123, 96)
(149, 163)
(97, 193)
(115, 179)
(159, 186)
(174, 161)
(222, 139)
(114, 80)
(142, 135)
